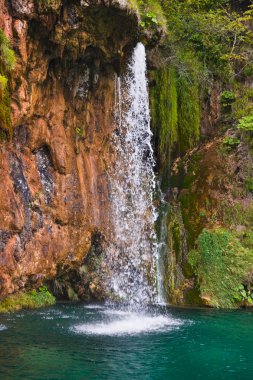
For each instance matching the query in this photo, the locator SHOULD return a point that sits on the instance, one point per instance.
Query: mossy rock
(7, 62)
(192, 297)
(221, 265)
(32, 299)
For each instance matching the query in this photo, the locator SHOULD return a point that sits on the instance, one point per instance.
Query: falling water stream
(133, 254)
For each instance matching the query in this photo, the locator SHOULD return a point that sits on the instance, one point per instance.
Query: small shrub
(246, 123)
(149, 19)
(227, 98)
(231, 142)
(243, 294)
(150, 11)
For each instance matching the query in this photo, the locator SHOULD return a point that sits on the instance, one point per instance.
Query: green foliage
(221, 264)
(242, 294)
(231, 142)
(206, 41)
(246, 123)
(150, 11)
(149, 19)
(217, 35)
(29, 300)
(227, 98)
(243, 104)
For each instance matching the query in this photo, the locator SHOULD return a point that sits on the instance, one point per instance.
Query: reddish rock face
(54, 189)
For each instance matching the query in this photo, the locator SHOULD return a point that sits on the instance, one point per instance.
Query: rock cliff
(54, 195)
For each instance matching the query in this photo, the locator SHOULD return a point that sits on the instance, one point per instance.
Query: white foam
(94, 307)
(3, 327)
(116, 312)
(132, 324)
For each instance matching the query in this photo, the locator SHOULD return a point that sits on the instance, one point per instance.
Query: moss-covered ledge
(32, 299)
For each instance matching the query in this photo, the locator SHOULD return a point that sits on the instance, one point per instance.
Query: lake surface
(96, 342)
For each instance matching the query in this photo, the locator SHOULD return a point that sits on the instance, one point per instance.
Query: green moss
(188, 112)
(163, 97)
(7, 62)
(193, 201)
(175, 114)
(7, 54)
(5, 111)
(221, 264)
(3, 82)
(192, 297)
(27, 300)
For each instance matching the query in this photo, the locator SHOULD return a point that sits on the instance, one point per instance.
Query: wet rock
(54, 191)
(44, 163)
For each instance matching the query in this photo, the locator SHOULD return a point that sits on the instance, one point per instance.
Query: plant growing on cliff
(246, 123)
(150, 11)
(216, 34)
(175, 110)
(221, 265)
(7, 62)
(231, 142)
(149, 19)
(3, 82)
(7, 57)
(27, 300)
(243, 294)
(227, 98)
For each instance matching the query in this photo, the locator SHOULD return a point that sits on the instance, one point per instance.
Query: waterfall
(133, 253)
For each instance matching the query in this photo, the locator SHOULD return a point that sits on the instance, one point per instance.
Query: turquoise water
(101, 342)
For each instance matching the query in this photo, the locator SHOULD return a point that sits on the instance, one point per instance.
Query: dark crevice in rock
(20, 182)
(21, 137)
(21, 187)
(4, 237)
(83, 281)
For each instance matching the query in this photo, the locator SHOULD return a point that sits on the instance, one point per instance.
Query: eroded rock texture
(54, 191)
